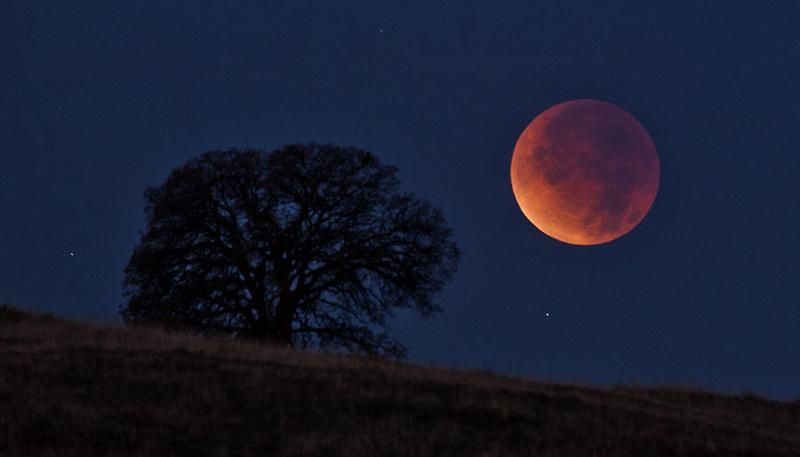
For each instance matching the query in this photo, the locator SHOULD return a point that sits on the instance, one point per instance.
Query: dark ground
(75, 389)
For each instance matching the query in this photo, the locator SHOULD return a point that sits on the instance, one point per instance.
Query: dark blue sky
(100, 99)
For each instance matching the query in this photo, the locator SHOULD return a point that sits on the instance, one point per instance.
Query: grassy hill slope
(75, 389)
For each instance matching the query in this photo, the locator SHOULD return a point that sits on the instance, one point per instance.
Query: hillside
(75, 389)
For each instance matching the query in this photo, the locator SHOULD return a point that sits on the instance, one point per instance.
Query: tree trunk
(281, 328)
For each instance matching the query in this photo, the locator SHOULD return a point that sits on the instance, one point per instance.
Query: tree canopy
(308, 245)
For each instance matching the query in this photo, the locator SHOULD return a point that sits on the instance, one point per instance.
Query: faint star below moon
(585, 172)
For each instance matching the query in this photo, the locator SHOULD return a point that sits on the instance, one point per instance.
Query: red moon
(585, 172)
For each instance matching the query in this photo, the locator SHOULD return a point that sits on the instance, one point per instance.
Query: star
(72, 254)
(546, 314)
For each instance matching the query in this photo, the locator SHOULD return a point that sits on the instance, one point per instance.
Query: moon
(585, 172)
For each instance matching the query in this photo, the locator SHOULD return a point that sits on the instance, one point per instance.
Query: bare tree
(308, 245)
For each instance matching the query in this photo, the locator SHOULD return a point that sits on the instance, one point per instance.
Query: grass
(68, 388)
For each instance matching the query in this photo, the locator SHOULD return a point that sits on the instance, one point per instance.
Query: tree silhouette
(309, 245)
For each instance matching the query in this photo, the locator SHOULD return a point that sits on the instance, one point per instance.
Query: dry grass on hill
(75, 389)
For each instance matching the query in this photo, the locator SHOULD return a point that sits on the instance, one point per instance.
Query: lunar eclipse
(585, 172)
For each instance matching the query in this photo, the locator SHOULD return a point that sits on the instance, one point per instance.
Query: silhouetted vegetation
(68, 389)
(309, 245)
(9, 313)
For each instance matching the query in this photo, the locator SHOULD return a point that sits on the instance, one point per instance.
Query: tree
(309, 245)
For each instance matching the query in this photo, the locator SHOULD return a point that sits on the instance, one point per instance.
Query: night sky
(100, 99)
